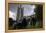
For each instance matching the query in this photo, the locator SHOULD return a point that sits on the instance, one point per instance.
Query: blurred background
(25, 16)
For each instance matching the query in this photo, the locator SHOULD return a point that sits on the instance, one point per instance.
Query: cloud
(28, 10)
(12, 15)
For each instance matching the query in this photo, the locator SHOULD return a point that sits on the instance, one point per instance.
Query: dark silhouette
(33, 21)
(24, 22)
(10, 22)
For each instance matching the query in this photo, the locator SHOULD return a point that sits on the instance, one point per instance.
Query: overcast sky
(28, 10)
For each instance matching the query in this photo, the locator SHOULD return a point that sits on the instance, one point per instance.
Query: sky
(28, 10)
